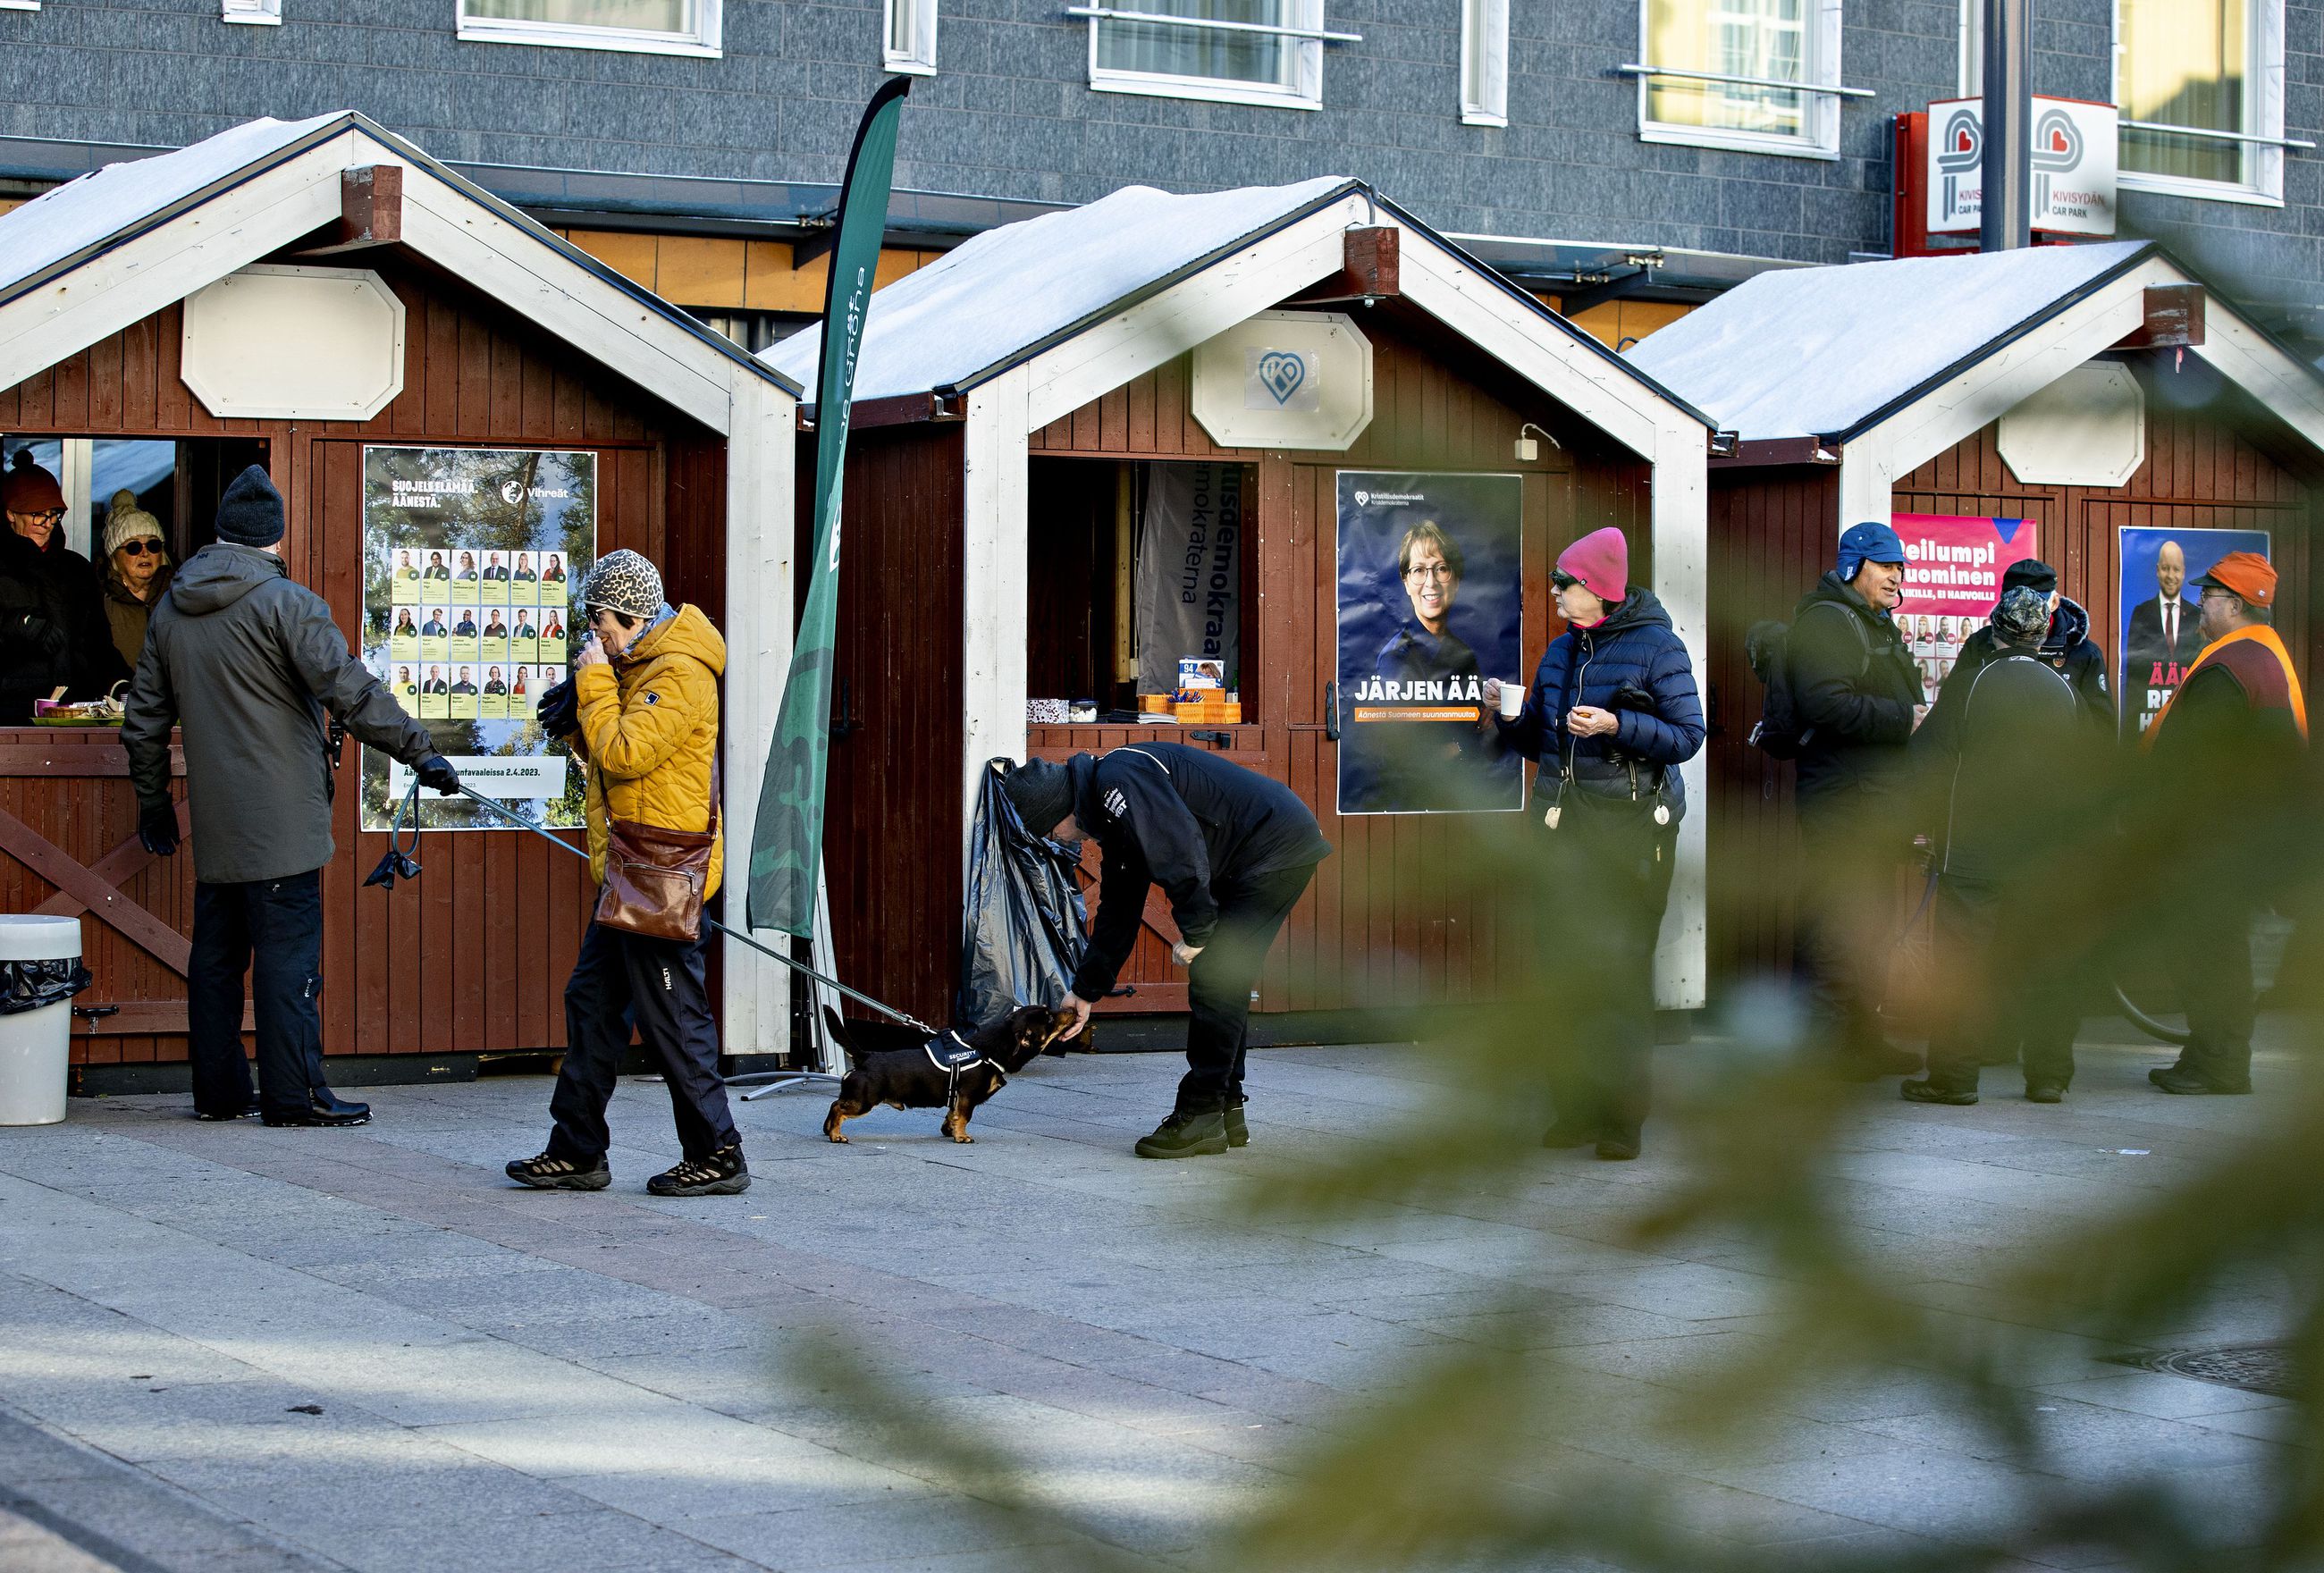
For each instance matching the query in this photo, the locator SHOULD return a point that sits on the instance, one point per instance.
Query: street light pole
(2005, 216)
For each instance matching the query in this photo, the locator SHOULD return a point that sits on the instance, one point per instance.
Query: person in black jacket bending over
(1856, 687)
(1612, 713)
(1231, 848)
(2066, 647)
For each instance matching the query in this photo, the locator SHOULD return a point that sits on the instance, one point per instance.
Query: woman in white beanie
(137, 572)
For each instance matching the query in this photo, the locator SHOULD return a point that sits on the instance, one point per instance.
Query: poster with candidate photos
(1431, 604)
(467, 556)
(1953, 565)
(2159, 630)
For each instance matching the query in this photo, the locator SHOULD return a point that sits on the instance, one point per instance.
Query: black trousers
(624, 979)
(1846, 925)
(2005, 987)
(2215, 979)
(272, 929)
(1608, 870)
(1251, 913)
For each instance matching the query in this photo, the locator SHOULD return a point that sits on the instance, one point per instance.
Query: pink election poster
(1952, 582)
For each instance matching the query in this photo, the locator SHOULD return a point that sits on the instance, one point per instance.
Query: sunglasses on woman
(142, 548)
(1562, 581)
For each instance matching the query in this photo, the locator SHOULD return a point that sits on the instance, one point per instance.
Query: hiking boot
(2045, 1092)
(1569, 1133)
(1926, 1090)
(722, 1173)
(551, 1174)
(1619, 1145)
(1185, 1135)
(1238, 1132)
(326, 1110)
(2192, 1083)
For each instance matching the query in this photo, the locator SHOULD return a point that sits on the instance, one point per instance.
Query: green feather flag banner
(787, 840)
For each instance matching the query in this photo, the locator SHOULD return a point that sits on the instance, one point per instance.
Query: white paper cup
(1512, 701)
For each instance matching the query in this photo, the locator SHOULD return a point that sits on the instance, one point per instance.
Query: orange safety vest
(2221, 652)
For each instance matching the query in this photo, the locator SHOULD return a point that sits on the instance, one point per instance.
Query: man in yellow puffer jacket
(645, 691)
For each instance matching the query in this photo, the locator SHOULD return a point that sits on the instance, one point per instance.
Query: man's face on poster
(1432, 586)
(2169, 570)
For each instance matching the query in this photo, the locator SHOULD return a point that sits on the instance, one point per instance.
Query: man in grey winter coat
(249, 660)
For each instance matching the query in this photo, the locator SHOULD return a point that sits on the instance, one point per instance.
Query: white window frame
(1305, 90)
(703, 44)
(252, 13)
(1972, 49)
(1821, 90)
(1484, 62)
(920, 60)
(20, 5)
(2262, 186)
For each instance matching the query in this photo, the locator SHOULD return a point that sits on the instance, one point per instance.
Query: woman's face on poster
(1431, 585)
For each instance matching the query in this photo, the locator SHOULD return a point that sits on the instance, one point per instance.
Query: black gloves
(157, 827)
(559, 710)
(436, 774)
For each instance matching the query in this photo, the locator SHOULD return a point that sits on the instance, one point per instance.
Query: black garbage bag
(30, 984)
(1026, 925)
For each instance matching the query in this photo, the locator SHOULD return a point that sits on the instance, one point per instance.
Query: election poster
(1190, 572)
(1953, 565)
(1430, 599)
(469, 557)
(2160, 630)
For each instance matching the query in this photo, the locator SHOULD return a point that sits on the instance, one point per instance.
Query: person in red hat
(53, 631)
(1612, 713)
(2227, 748)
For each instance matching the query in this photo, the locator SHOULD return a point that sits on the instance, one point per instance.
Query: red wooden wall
(474, 956)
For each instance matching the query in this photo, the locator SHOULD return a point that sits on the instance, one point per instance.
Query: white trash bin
(36, 1045)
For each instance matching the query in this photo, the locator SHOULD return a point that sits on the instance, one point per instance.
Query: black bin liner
(30, 984)
(1025, 923)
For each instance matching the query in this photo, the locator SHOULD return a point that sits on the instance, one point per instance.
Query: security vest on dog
(948, 1072)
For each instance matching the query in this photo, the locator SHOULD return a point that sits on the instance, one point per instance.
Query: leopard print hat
(623, 581)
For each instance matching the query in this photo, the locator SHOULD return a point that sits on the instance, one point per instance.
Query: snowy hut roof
(1823, 352)
(66, 227)
(983, 305)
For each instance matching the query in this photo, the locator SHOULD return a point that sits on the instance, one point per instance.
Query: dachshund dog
(950, 1072)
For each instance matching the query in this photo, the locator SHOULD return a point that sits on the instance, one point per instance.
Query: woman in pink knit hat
(1611, 714)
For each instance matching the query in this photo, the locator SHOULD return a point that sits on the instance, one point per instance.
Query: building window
(20, 5)
(910, 40)
(255, 13)
(2200, 87)
(1232, 52)
(1485, 62)
(1716, 74)
(659, 27)
(1972, 48)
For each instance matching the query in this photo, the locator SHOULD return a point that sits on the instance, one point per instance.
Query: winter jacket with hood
(1183, 818)
(1855, 686)
(249, 660)
(2067, 649)
(648, 728)
(1634, 647)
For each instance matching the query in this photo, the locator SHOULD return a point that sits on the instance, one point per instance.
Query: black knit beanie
(249, 514)
(1041, 792)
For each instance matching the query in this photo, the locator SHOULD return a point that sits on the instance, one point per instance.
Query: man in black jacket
(2004, 755)
(2066, 647)
(250, 661)
(1231, 849)
(1856, 686)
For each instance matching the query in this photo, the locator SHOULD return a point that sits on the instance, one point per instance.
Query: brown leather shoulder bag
(655, 877)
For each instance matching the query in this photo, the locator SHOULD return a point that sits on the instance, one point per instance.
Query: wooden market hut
(1006, 392)
(2087, 388)
(489, 331)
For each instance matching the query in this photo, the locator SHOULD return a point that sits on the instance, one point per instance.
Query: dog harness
(959, 1062)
